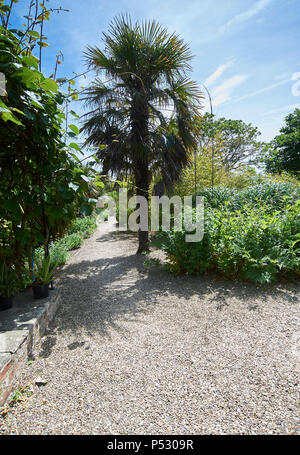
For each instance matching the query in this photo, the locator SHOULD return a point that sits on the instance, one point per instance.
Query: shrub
(191, 258)
(253, 234)
(79, 229)
(274, 195)
(41, 186)
(84, 226)
(58, 253)
(255, 244)
(72, 241)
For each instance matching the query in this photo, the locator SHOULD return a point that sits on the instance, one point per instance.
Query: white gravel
(137, 351)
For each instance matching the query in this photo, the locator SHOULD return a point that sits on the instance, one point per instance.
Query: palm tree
(145, 111)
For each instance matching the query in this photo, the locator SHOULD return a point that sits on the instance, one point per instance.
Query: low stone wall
(21, 329)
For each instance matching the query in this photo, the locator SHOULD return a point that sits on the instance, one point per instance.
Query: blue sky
(245, 51)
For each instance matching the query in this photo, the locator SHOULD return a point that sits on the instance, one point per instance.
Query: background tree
(240, 145)
(283, 153)
(145, 112)
(195, 180)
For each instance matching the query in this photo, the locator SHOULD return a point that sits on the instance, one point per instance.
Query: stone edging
(21, 329)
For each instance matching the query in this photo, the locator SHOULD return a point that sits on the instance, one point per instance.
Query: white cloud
(246, 15)
(282, 110)
(218, 73)
(258, 92)
(222, 93)
(280, 77)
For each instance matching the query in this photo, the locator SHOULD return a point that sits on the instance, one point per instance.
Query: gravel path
(137, 351)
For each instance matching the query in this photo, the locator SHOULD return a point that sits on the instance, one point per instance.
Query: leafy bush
(43, 184)
(44, 273)
(9, 280)
(275, 195)
(80, 228)
(58, 253)
(72, 241)
(84, 226)
(254, 244)
(253, 234)
(191, 258)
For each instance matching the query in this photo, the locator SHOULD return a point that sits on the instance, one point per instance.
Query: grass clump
(80, 229)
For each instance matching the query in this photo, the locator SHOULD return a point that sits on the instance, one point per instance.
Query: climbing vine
(42, 184)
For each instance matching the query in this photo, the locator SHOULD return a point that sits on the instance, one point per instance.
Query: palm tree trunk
(140, 125)
(142, 184)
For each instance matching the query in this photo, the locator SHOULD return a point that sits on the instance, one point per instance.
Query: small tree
(283, 153)
(239, 140)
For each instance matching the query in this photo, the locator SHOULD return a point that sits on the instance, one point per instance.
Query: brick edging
(13, 360)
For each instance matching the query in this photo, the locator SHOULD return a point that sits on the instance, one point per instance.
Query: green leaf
(42, 44)
(9, 117)
(30, 61)
(33, 33)
(86, 209)
(49, 85)
(75, 129)
(75, 146)
(74, 114)
(28, 76)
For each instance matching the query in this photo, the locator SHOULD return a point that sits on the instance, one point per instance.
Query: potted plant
(43, 276)
(9, 285)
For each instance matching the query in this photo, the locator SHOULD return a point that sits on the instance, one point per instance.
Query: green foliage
(84, 226)
(283, 177)
(254, 244)
(44, 272)
(79, 229)
(283, 153)
(207, 168)
(20, 394)
(42, 186)
(152, 262)
(58, 253)
(239, 141)
(275, 196)
(9, 280)
(252, 234)
(191, 258)
(72, 241)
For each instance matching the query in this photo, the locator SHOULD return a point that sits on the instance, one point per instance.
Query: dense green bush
(80, 229)
(58, 253)
(85, 226)
(73, 241)
(43, 184)
(275, 195)
(252, 234)
(191, 258)
(254, 244)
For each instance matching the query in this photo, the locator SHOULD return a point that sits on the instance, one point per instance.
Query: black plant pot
(6, 303)
(41, 291)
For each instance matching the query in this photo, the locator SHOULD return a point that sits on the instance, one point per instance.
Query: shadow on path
(100, 293)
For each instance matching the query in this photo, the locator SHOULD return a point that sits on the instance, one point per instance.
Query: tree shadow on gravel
(99, 295)
(116, 236)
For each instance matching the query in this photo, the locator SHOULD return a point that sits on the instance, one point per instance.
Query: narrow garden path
(137, 351)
